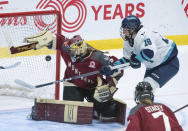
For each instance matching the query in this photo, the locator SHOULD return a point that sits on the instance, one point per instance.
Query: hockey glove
(134, 63)
(44, 38)
(108, 71)
(105, 92)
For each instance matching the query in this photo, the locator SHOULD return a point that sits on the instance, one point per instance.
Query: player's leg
(106, 108)
(72, 93)
(163, 73)
(110, 111)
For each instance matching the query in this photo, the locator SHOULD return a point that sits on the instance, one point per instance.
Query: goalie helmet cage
(35, 67)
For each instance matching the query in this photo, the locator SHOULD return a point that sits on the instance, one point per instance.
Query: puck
(48, 58)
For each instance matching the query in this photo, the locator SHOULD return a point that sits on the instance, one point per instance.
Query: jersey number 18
(147, 42)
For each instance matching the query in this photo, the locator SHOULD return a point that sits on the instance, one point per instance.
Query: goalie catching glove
(104, 92)
(44, 38)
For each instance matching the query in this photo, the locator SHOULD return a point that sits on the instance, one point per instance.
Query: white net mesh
(30, 66)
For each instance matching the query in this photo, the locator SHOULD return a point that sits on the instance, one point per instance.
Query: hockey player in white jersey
(157, 53)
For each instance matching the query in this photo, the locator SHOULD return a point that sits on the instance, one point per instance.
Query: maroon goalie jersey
(157, 117)
(91, 63)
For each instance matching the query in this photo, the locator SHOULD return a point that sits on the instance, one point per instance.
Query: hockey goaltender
(97, 90)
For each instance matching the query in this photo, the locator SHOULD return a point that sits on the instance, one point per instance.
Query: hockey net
(31, 66)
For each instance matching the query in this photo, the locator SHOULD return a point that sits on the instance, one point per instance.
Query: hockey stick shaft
(181, 108)
(82, 75)
(67, 79)
(20, 82)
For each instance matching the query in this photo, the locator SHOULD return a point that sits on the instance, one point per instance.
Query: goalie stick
(17, 49)
(22, 83)
(22, 48)
(11, 66)
(181, 108)
(28, 46)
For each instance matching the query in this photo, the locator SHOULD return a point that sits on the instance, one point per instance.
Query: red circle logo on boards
(73, 13)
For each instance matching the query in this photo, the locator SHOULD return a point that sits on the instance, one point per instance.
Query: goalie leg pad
(62, 111)
(120, 113)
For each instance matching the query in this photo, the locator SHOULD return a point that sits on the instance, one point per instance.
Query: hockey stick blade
(1, 67)
(181, 108)
(11, 66)
(20, 82)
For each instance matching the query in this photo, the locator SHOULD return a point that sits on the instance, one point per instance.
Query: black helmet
(131, 22)
(143, 90)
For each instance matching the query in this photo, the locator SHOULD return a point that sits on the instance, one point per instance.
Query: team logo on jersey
(92, 64)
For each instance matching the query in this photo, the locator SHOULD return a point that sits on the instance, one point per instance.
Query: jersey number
(165, 118)
(147, 42)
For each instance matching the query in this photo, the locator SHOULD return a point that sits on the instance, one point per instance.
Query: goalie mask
(77, 47)
(143, 91)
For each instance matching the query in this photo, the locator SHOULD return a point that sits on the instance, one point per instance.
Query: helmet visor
(125, 33)
(78, 48)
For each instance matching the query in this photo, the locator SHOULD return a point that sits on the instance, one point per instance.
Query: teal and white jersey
(150, 48)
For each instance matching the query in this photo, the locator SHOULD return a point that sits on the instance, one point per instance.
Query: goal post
(37, 66)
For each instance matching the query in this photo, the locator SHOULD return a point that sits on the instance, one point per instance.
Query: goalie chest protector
(62, 111)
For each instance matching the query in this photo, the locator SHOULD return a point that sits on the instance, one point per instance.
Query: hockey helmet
(77, 46)
(143, 91)
(130, 23)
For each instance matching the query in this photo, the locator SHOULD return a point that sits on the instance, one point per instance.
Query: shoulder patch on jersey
(92, 64)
